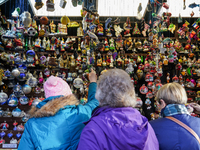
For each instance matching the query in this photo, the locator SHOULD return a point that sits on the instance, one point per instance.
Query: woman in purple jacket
(116, 125)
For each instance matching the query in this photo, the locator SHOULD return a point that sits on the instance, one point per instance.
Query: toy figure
(50, 5)
(106, 45)
(127, 27)
(99, 62)
(112, 44)
(62, 29)
(52, 27)
(118, 30)
(80, 31)
(168, 77)
(38, 42)
(100, 29)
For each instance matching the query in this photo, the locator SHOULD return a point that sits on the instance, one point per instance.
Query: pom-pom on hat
(55, 86)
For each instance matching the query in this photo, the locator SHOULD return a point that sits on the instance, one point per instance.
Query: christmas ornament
(3, 97)
(13, 101)
(143, 89)
(15, 72)
(16, 112)
(23, 100)
(26, 89)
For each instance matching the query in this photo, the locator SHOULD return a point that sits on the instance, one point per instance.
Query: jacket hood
(53, 106)
(123, 125)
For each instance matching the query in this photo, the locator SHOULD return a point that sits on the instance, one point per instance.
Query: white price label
(9, 146)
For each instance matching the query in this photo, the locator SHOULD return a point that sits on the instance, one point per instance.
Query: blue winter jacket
(172, 136)
(58, 124)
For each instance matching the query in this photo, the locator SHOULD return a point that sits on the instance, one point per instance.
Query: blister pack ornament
(23, 100)
(16, 112)
(3, 97)
(143, 89)
(4, 126)
(13, 101)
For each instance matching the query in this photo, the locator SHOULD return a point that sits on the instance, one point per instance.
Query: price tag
(9, 146)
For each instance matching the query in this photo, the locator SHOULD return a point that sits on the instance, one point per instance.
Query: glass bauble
(26, 89)
(16, 112)
(3, 97)
(23, 100)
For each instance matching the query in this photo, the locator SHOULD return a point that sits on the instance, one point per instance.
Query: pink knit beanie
(55, 86)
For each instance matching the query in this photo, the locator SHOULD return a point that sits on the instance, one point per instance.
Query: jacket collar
(51, 107)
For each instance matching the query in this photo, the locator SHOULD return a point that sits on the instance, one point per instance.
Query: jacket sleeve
(92, 101)
(26, 142)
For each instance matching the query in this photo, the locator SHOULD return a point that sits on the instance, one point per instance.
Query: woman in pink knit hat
(57, 121)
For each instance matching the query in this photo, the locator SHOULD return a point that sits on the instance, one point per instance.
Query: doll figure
(106, 45)
(48, 45)
(38, 42)
(65, 59)
(44, 43)
(104, 62)
(168, 77)
(100, 29)
(72, 61)
(80, 31)
(61, 62)
(112, 44)
(99, 62)
(62, 45)
(52, 27)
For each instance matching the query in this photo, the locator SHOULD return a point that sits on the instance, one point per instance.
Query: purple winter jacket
(118, 128)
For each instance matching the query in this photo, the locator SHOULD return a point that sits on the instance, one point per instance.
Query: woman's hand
(92, 76)
(196, 107)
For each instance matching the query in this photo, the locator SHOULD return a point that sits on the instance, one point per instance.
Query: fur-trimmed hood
(53, 106)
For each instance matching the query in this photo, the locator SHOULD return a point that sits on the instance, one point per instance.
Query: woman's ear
(162, 104)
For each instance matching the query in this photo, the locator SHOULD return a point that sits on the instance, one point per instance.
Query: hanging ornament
(149, 94)
(10, 135)
(4, 126)
(143, 89)
(136, 29)
(15, 72)
(3, 97)
(20, 127)
(18, 135)
(36, 101)
(16, 112)
(2, 134)
(23, 100)
(26, 88)
(13, 101)
(148, 103)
